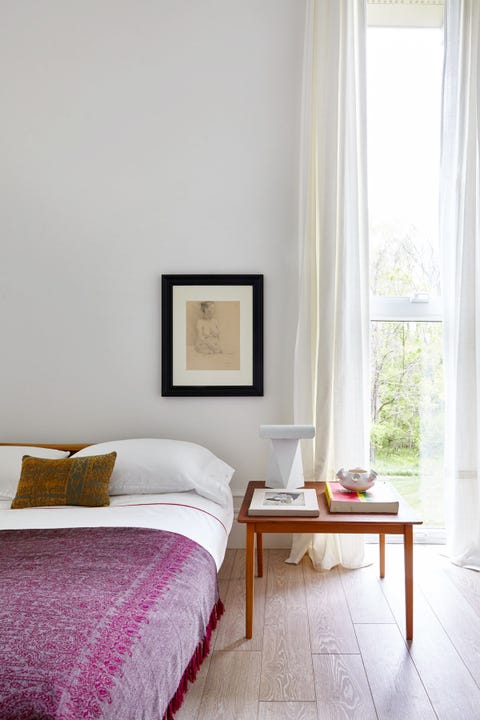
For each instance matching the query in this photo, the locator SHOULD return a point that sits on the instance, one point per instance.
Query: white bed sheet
(186, 513)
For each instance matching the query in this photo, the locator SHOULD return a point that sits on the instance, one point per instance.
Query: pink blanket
(101, 623)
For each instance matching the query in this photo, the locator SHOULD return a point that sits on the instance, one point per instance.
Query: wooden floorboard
(396, 686)
(287, 711)
(467, 583)
(364, 596)
(231, 686)
(331, 627)
(330, 646)
(448, 682)
(456, 614)
(342, 688)
(287, 671)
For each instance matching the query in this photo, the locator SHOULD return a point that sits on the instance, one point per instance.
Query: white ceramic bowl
(356, 478)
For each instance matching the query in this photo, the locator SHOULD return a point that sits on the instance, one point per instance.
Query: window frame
(405, 13)
(405, 309)
(419, 307)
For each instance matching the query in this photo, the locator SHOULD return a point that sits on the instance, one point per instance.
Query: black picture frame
(197, 312)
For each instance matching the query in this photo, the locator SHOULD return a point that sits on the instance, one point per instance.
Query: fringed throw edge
(201, 652)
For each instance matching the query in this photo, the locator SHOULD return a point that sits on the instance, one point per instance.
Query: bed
(106, 612)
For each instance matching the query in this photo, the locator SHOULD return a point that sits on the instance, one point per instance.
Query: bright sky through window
(404, 95)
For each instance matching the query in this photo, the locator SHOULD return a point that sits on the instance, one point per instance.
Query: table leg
(249, 577)
(408, 553)
(381, 545)
(259, 554)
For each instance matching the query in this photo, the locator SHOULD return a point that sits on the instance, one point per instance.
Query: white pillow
(11, 465)
(150, 465)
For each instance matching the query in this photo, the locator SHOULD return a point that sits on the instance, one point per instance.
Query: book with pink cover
(381, 498)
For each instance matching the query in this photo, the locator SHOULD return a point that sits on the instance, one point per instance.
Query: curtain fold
(460, 256)
(331, 386)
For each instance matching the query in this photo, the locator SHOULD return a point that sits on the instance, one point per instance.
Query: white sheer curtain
(332, 351)
(460, 244)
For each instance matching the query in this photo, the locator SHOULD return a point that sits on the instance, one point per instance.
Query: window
(404, 75)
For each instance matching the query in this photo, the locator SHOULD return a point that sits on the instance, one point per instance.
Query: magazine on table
(284, 502)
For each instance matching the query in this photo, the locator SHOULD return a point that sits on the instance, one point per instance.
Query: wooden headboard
(71, 447)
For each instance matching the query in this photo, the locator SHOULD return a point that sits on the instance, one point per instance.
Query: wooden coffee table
(327, 522)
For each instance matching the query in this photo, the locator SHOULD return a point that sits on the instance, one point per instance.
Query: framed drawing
(212, 335)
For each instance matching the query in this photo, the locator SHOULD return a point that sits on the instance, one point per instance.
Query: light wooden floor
(332, 645)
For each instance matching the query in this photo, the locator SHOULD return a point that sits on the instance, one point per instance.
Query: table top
(327, 521)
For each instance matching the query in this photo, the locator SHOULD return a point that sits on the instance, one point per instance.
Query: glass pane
(407, 413)
(404, 93)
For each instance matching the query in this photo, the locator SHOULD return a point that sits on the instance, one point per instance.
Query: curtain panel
(460, 254)
(331, 385)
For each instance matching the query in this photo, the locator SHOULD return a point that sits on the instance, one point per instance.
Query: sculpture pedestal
(285, 468)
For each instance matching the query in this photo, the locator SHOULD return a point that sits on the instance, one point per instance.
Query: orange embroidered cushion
(72, 481)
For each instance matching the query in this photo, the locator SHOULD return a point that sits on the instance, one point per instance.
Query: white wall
(137, 138)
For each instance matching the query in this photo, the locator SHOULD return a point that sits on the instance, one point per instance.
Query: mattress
(187, 513)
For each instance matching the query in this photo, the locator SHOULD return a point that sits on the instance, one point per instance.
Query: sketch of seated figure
(208, 331)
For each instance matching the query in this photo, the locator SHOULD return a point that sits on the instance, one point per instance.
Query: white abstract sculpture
(285, 467)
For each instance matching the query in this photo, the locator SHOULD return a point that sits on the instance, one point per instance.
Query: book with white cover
(284, 502)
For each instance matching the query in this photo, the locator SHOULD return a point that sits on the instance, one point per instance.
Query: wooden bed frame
(71, 447)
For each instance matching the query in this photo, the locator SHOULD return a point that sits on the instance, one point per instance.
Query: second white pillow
(154, 465)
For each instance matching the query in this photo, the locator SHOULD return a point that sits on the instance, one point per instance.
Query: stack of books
(380, 498)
